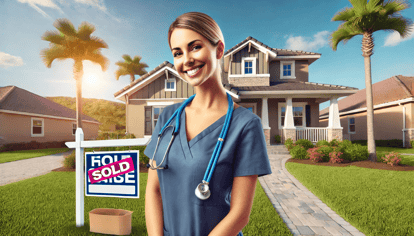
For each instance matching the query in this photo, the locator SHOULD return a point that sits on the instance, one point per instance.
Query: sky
(139, 28)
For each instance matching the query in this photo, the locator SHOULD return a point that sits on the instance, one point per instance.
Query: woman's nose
(188, 59)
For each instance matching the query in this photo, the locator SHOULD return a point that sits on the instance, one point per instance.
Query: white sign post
(80, 144)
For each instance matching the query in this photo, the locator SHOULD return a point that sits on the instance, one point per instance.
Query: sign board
(100, 165)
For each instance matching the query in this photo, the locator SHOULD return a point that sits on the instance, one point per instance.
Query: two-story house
(273, 83)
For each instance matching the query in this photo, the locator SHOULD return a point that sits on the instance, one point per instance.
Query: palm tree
(130, 67)
(364, 18)
(79, 45)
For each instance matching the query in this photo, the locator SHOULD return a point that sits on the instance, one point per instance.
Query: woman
(171, 206)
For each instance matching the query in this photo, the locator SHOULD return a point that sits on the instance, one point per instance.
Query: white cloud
(62, 81)
(7, 60)
(94, 3)
(319, 40)
(394, 38)
(43, 3)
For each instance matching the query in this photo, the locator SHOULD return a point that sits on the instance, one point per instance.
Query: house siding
(53, 129)
(388, 123)
(301, 71)
(156, 89)
(136, 117)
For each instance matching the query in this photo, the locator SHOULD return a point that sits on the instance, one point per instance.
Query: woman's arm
(242, 195)
(153, 205)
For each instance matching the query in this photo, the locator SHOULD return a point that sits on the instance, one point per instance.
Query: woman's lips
(200, 67)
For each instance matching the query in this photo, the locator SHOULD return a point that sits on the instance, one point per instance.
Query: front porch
(313, 134)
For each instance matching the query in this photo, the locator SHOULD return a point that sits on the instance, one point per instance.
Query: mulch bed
(364, 164)
(142, 169)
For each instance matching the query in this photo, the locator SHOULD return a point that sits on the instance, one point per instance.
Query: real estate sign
(112, 174)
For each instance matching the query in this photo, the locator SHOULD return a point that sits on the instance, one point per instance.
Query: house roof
(293, 85)
(15, 99)
(392, 89)
(279, 52)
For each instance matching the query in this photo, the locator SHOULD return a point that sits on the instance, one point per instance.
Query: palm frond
(400, 24)
(55, 52)
(344, 15)
(374, 5)
(120, 72)
(393, 7)
(66, 27)
(97, 42)
(97, 57)
(342, 34)
(127, 58)
(85, 30)
(54, 37)
(121, 64)
(358, 6)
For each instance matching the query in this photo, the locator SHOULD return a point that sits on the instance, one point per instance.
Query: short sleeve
(251, 154)
(149, 150)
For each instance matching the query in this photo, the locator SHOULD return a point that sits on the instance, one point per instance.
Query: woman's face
(195, 59)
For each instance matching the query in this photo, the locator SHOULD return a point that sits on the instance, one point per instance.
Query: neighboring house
(393, 101)
(272, 83)
(26, 117)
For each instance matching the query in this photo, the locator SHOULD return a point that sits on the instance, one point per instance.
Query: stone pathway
(300, 209)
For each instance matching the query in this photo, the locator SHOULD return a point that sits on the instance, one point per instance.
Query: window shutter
(148, 120)
(308, 115)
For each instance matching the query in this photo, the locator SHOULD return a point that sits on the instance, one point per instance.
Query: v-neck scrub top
(243, 153)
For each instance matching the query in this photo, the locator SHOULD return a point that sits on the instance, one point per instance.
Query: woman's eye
(176, 54)
(196, 47)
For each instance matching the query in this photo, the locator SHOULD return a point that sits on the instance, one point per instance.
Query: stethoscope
(202, 191)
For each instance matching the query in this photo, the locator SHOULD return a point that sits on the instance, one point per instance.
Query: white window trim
(246, 105)
(293, 75)
(171, 80)
(253, 59)
(74, 123)
(294, 104)
(43, 127)
(349, 124)
(250, 75)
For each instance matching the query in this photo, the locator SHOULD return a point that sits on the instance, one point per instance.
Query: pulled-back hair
(200, 23)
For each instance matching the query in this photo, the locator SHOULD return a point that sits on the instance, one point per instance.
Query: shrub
(278, 139)
(412, 143)
(31, 145)
(357, 152)
(334, 143)
(334, 157)
(383, 143)
(289, 143)
(325, 150)
(314, 155)
(342, 147)
(393, 158)
(304, 143)
(321, 143)
(298, 152)
(69, 161)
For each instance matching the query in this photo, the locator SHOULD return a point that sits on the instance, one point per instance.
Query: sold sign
(111, 170)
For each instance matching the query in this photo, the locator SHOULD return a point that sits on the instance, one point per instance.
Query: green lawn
(45, 205)
(376, 202)
(393, 149)
(26, 154)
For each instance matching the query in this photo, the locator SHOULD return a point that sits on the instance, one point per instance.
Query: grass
(45, 205)
(26, 154)
(376, 202)
(393, 149)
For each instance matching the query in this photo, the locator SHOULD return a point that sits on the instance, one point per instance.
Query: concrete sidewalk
(15, 171)
(300, 209)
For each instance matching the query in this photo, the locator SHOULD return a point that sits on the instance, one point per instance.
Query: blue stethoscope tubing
(202, 191)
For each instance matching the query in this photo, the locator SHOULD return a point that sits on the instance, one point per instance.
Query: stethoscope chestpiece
(203, 191)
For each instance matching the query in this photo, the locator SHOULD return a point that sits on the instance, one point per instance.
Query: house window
(351, 125)
(156, 112)
(287, 70)
(249, 65)
(73, 128)
(37, 128)
(249, 106)
(299, 114)
(170, 85)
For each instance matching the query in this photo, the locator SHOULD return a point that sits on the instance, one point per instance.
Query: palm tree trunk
(132, 78)
(370, 111)
(78, 73)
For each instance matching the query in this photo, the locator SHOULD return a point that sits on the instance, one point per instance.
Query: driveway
(15, 171)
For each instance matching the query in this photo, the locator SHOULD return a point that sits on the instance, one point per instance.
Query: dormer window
(249, 65)
(170, 84)
(287, 70)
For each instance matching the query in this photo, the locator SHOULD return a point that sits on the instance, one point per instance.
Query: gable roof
(392, 89)
(16, 100)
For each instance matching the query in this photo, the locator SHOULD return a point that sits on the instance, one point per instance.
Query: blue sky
(140, 28)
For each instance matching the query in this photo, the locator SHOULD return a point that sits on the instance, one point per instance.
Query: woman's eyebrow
(189, 44)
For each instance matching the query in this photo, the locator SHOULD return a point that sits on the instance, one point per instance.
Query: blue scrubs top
(243, 153)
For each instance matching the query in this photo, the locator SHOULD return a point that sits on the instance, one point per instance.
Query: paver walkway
(300, 209)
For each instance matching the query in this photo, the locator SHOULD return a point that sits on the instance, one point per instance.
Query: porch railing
(312, 134)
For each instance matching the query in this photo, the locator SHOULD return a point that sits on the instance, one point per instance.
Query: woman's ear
(220, 49)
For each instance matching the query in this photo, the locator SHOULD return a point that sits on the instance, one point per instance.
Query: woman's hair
(200, 23)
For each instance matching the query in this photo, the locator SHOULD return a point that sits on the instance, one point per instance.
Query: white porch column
(334, 121)
(289, 114)
(265, 114)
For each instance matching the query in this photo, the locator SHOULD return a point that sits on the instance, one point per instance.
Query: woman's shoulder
(245, 117)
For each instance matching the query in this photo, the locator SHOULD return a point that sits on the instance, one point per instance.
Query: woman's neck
(210, 95)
